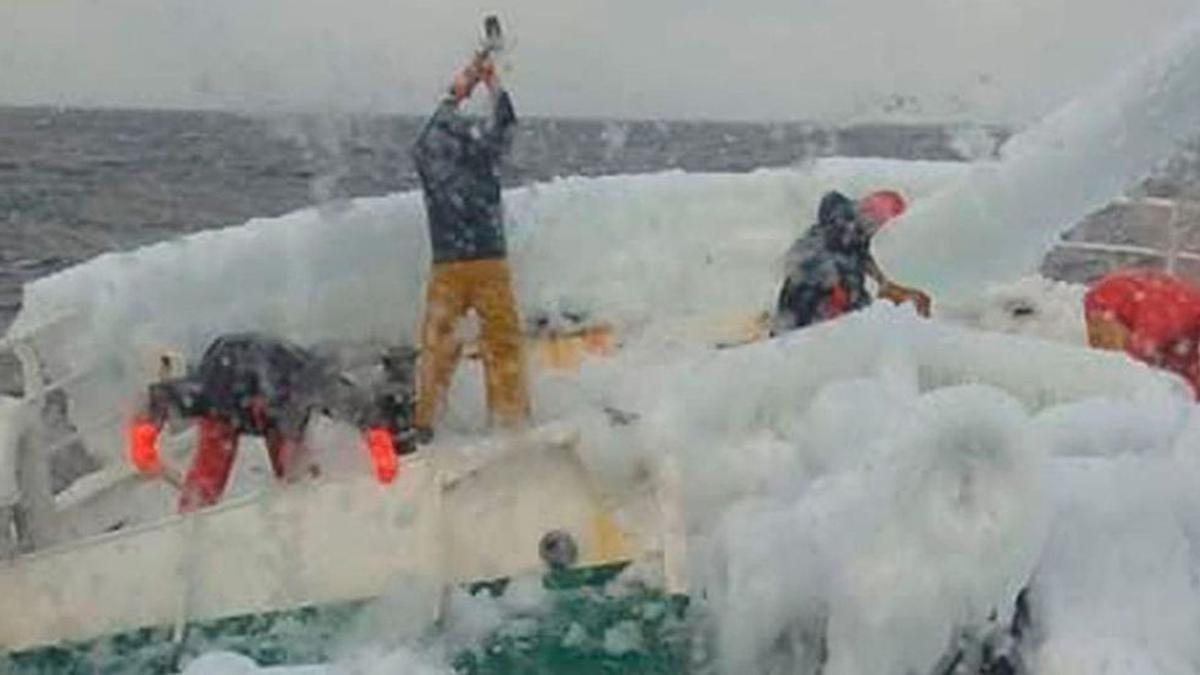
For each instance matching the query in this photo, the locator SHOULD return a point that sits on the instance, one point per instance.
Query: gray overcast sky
(819, 60)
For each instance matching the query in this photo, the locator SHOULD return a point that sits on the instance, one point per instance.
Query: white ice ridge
(885, 481)
(999, 221)
(631, 250)
(870, 486)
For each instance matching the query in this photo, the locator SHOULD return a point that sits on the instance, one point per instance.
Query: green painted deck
(582, 630)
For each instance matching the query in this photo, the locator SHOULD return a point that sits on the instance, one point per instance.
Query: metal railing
(1180, 211)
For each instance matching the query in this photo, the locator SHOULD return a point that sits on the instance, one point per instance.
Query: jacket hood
(836, 208)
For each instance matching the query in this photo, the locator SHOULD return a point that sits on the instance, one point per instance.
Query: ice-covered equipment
(636, 251)
(997, 223)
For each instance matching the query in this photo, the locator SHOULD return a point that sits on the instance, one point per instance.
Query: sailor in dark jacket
(264, 386)
(827, 269)
(457, 159)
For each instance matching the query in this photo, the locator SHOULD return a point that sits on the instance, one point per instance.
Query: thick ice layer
(11, 413)
(878, 480)
(1032, 306)
(388, 637)
(998, 222)
(1116, 588)
(938, 523)
(627, 249)
(871, 486)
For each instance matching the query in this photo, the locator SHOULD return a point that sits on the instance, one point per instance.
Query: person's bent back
(260, 385)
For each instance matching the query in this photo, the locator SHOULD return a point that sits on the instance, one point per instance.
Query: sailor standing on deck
(457, 159)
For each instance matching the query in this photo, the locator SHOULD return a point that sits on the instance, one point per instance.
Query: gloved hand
(463, 83)
(480, 69)
(901, 294)
(143, 447)
(487, 74)
(383, 454)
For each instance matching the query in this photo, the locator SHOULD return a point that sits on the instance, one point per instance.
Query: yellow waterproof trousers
(486, 287)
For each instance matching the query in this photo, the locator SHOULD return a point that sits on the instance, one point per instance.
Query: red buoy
(1151, 315)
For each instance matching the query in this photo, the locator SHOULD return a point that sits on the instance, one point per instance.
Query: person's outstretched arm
(889, 290)
(440, 124)
(497, 138)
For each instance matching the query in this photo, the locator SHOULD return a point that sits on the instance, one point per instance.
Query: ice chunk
(1032, 306)
(1116, 590)
(222, 663)
(623, 638)
(627, 250)
(998, 222)
(939, 526)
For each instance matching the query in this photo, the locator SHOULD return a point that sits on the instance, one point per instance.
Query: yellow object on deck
(566, 351)
(611, 544)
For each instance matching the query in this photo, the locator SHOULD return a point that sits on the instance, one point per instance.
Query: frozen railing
(28, 506)
(1180, 213)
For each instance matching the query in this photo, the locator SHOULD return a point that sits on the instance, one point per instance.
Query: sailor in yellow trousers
(457, 159)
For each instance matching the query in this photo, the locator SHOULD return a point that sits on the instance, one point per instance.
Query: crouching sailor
(827, 268)
(264, 386)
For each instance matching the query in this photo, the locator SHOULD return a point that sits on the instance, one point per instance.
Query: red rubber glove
(487, 74)
(383, 454)
(143, 447)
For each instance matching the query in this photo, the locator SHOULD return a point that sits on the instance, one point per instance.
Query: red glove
(487, 74)
(383, 454)
(143, 447)
(480, 69)
(464, 81)
(899, 295)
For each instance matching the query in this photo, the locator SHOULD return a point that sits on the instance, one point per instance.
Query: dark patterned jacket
(259, 382)
(826, 268)
(457, 160)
